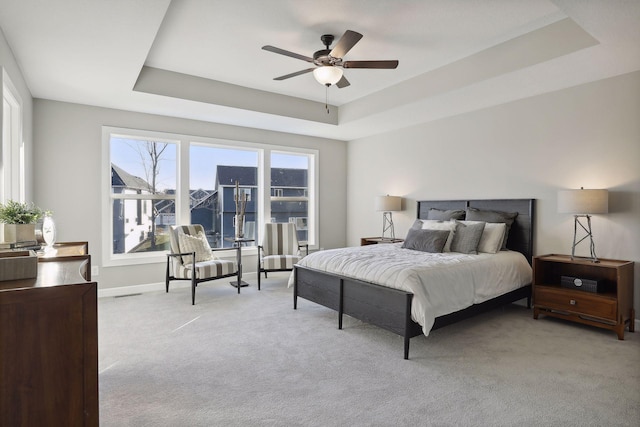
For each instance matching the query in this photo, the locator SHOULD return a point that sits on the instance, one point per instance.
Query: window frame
(12, 148)
(182, 191)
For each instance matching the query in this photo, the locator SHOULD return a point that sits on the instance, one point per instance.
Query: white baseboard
(136, 289)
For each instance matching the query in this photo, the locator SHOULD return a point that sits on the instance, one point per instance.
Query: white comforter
(442, 283)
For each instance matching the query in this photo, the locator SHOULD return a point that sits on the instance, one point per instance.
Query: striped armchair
(192, 258)
(280, 248)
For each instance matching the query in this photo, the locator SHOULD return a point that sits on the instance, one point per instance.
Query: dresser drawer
(576, 302)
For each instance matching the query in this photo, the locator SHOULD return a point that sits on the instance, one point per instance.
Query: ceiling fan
(329, 63)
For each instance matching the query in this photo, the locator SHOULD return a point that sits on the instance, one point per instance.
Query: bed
(391, 307)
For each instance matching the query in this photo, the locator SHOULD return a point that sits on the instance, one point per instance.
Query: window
(289, 190)
(156, 180)
(142, 195)
(213, 174)
(12, 158)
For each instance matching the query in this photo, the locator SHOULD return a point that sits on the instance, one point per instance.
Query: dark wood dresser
(49, 347)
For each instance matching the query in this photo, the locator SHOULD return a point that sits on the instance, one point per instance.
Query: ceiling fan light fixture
(327, 75)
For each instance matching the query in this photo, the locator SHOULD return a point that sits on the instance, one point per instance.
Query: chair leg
(258, 277)
(193, 290)
(166, 278)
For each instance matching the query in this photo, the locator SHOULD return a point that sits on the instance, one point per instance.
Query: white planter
(12, 233)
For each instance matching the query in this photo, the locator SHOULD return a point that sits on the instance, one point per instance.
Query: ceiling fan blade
(343, 82)
(371, 64)
(297, 73)
(346, 42)
(287, 53)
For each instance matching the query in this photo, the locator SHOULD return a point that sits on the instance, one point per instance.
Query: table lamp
(387, 204)
(582, 203)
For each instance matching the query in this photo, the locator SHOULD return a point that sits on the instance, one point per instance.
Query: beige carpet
(251, 360)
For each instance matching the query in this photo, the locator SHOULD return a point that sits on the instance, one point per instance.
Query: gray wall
(68, 140)
(586, 136)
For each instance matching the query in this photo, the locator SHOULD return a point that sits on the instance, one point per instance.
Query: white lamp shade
(327, 75)
(583, 201)
(388, 203)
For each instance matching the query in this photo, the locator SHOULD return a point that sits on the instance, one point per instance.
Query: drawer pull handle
(572, 302)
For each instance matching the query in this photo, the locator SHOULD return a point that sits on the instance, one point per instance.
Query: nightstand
(609, 306)
(364, 241)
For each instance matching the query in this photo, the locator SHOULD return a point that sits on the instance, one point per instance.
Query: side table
(239, 243)
(364, 241)
(608, 306)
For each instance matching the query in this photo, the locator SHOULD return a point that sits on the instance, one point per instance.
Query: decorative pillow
(426, 240)
(445, 215)
(466, 238)
(429, 224)
(492, 236)
(197, 244)
(507, 218)
(417, 225)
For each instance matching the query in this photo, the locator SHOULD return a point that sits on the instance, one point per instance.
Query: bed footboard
(384, 307)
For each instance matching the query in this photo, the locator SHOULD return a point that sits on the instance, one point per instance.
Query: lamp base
(387, 225)
(588, 234)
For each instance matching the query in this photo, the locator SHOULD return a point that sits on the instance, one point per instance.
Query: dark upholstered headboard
(521, 234)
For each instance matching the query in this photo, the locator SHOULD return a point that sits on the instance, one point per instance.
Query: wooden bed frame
(390, 308)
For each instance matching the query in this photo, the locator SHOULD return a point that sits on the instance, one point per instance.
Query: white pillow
(432, 224)
(492, 236)
(197, 244)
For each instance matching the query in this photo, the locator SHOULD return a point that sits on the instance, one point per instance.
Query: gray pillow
(466, 238)
(417, 225)
(474, 214)
(426, 240)
(445, 215)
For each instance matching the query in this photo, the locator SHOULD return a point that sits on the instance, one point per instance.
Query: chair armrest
(181, 254)
(304, 245)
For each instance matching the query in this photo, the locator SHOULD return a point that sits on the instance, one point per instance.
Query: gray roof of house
(248, 176)
(122, 178)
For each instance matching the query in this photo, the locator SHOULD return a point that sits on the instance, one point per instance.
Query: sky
(126, 154)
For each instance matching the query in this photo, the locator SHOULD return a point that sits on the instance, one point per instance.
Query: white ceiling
(202, 59)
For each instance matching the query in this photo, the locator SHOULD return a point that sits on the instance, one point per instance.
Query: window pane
(142, 166)
(133, 229)
(142, 172)
(213, 174)
(289, 190)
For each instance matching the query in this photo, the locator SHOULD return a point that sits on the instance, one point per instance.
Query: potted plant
(19, 221)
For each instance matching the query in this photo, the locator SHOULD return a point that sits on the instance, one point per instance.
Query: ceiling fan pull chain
(326, 98)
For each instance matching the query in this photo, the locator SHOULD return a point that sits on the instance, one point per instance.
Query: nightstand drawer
(576, 302)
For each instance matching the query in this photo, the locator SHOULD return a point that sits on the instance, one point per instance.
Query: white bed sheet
(442, 283)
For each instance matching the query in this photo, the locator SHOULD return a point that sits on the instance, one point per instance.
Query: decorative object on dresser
(19, 222)
(388, 204)
(597, 294)
(403, 305)
(582, 203)
(16, 265)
